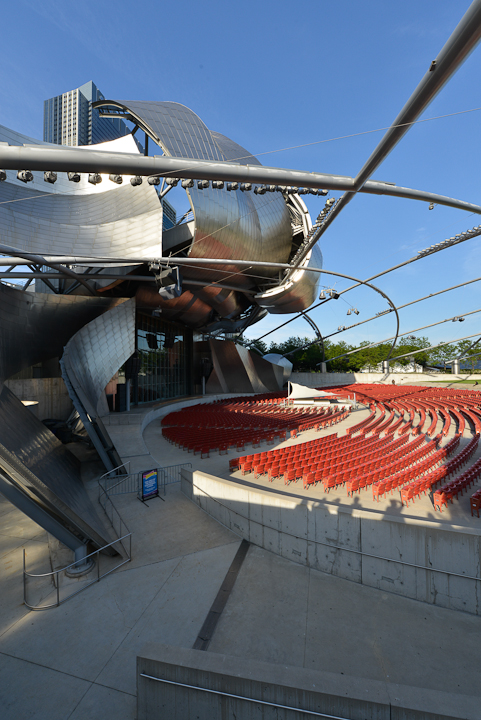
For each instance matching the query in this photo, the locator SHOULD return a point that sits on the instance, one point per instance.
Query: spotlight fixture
(458, 319)
(431, 206)
(322, 296)
(232, 186)
(281, 188)
(334, 295)
(154, 180)
(136, 180)
(3, 175)
(260, 189)
(202, 184)
(322, 192)
(169, 283)
(117, 179)
(312, 191)
(330, 202)
(341, 328)
(270, 188)
(25, 176)
(94, 178)
(217, 184)
(50, 177)
(245, 187)
(355, 311)
(348, 312)
(171, 181)
(73, 176)
(187, 183)
(460, 237)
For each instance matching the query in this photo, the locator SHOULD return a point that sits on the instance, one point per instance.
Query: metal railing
(56, 575)
(63, 590)
(128, 482)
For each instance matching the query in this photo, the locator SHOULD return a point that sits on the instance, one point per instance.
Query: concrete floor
(78, 661)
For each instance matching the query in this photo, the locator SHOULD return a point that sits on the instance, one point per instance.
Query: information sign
(150, 484)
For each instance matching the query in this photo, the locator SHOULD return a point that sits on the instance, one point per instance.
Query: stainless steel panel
(299, 293)
(66, 218)
(95, 353)
(36, 326)
(238, 370)
(38, 464)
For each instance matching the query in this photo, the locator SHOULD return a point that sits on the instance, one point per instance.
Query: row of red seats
(427, 483)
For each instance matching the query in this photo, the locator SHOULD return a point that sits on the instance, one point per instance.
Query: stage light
(136, 180)
(3, 175)
(187, 183)
(172, 181)
(25, 176)
(50, 177)
(322, 296)
(270, 188)
(117, 179)
(169, 283)
(260, 190)
(246, 187)
(73, 176)
(334, 295)
(322, 192)
(94, 178)
(348, 312)
(232, 186)
(156, 180)
(218, 184)
(202, 184)
(355, 310)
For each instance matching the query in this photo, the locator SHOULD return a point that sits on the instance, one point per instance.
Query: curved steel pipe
(62, 159)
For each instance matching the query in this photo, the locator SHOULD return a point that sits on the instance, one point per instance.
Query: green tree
(440, 356)
(472, 355)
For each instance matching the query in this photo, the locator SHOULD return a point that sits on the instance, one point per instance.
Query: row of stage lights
(49, 176)
(474, 232)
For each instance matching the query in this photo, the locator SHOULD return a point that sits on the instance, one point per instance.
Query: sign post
(150, 485)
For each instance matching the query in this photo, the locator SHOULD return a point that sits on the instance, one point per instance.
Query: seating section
(240, 421)
(402, 445)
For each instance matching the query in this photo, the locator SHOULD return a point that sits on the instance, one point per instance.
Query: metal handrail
(73, 565)
(222, 693)
(125, 464)
(123, 533)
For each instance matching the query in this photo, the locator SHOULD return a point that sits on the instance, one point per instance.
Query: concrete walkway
(77, 661)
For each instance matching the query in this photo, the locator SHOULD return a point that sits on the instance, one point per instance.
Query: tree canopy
(306, 357)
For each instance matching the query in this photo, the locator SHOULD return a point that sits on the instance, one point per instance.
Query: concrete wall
(50, 393)
(328, 694)
(325, 379)
(367, 547)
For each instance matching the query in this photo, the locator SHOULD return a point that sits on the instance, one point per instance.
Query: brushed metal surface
(81, 218)
(238, 370)
(95, 353)
(38, 464)
(36, 326)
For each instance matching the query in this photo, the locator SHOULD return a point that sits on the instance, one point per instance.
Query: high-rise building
(69, 119)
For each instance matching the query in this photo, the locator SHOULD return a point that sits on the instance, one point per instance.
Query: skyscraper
(69, 119)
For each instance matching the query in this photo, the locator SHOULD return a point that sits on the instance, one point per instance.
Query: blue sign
(150, 484)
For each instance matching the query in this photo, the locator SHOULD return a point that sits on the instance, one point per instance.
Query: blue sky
(276, 75)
